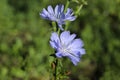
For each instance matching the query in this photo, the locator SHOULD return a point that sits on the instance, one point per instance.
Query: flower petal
(61, 8)
(78, 52)
(76, 44)
(68, 15)
(60, 26)
(53, 44)
(59, 54)
(62, 17)
(64, 37)
(50, 10)
(56, 10)
(74, 59)
(71, 38)
(54, 37)
(44, 14)
(70, 18)
(69, 11)
(55, 41)
(82, 51)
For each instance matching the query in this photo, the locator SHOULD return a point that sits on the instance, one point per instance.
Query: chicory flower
(58, 15)
(66, 45)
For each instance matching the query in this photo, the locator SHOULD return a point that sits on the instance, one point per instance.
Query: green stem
(78, 10)
(66, 26)
(66, 6)
(56, 60)
(76, 13)
(54, 26)
(56, 65)
(58, 31)
(55, 30)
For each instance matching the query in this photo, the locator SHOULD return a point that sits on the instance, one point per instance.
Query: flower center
(64, 49)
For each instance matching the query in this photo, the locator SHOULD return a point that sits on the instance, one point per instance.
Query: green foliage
(24, 40)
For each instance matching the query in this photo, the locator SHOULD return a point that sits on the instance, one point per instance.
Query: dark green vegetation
(24, 40)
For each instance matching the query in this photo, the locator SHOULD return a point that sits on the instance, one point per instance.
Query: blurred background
(24, 40)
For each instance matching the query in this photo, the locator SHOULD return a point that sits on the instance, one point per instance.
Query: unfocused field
(24, 40)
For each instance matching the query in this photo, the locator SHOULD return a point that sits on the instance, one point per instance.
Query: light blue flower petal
(64, 37)
(51, 13)
(76, 53)
(77, 43)
(53, 45)
(54, 37)
(70, 18)
(56, 10)
(74, 59)
(82, 51)
(76, 50)
(56, 41)
(60, 26)
(61, 8)
(62, 17)
(59, 11)
(68, 13)
(70, 39)
(50, 10)
(59, 54)
(44, 14)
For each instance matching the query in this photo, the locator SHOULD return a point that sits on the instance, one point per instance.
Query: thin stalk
(66, 6)
(54, 26)
(58, 31)
(67, 24)
(56, 65)
(76, 14)
(78, 10)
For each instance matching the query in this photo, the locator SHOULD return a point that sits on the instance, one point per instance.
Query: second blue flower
(58, 15)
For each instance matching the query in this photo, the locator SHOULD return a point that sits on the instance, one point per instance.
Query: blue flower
(58, 15)
(67, 46)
